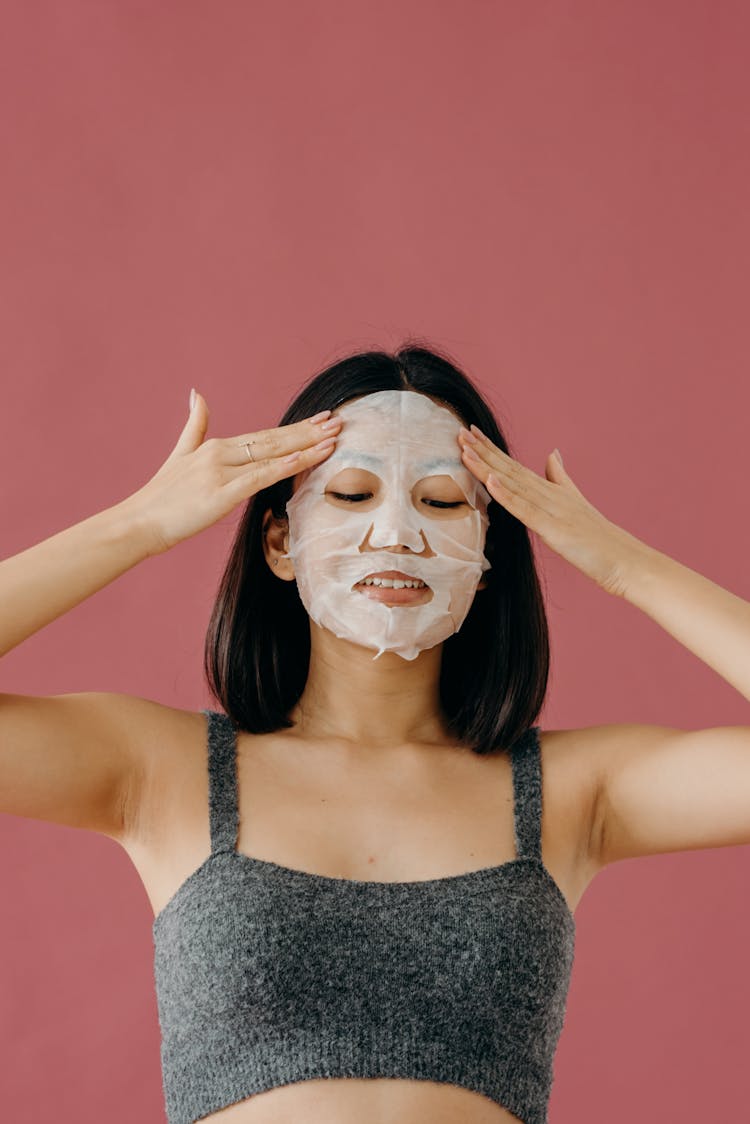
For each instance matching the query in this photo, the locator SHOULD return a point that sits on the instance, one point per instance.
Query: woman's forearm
(43, 582)
(711, 622)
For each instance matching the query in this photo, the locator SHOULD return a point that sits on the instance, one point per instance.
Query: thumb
(555, 470)
(194, 432)
(557, 474)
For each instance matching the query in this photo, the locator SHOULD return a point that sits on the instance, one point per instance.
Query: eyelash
(356, 496)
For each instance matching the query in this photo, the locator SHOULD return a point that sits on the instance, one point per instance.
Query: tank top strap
(527, 794)
(222, 781)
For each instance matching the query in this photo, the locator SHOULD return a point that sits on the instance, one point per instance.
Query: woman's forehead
(407, 457)
(394, 432)
(397, 429)
(400, 407)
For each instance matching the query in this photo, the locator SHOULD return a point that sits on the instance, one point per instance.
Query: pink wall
(230, 195)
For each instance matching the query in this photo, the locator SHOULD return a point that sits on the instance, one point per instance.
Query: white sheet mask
(401, 437)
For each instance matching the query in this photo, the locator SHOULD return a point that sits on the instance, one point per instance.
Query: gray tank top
(267, 975)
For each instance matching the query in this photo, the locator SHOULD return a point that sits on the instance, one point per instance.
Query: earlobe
(282, 568)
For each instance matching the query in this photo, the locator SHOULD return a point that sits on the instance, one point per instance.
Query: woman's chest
(386, 818)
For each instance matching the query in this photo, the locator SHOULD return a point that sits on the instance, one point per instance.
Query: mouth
(394, 587)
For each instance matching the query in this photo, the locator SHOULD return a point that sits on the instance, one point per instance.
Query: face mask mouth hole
(360, 585)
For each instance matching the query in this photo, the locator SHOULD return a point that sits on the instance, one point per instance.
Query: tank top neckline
(224, 827)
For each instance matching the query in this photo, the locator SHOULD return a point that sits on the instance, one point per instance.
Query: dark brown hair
(494, 670)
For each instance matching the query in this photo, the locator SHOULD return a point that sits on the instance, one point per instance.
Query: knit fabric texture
(266, 975)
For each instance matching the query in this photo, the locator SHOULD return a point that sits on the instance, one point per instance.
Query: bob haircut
(494, 670)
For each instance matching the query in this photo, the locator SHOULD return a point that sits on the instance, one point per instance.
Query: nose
(399, 548)
(396, 524)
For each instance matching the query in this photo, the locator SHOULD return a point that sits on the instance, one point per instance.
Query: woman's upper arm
(74, 759)
(663, 789)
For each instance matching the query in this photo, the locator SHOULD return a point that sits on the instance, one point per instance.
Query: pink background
(229, 195)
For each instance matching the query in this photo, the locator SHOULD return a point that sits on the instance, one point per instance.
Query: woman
(364, 868)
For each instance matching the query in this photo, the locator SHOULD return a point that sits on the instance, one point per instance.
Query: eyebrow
(352, 458)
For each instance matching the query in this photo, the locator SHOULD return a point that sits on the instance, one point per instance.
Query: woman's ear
(276, 544)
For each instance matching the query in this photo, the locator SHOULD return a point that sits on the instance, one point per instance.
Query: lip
(394, 596)
(394, 575)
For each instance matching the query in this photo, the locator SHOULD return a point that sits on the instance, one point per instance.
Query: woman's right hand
(202, 481)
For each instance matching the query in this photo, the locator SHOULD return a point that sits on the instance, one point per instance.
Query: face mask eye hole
(441, 496)
(437, 497)
(351, 497)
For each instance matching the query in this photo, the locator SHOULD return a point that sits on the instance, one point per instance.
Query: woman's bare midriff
(369, 1101)
(395, 814)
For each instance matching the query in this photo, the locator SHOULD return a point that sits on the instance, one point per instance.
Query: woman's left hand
(556, 510)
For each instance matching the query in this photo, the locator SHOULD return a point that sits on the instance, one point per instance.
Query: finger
(279, 442)
(194, 431)
(507, 490)
(489, 458)
(248, 478)
(516, 493)
(517, 504)
(509, 471)
(482, 445)
(478, 463)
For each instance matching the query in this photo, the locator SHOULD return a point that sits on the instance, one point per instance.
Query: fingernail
(557, 454)
(330, 424)
(320, 417)
(477, 430)
(192, 397)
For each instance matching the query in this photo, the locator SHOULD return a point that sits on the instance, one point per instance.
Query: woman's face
(393, 495)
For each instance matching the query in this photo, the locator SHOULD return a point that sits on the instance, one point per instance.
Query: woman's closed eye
(356, 497)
